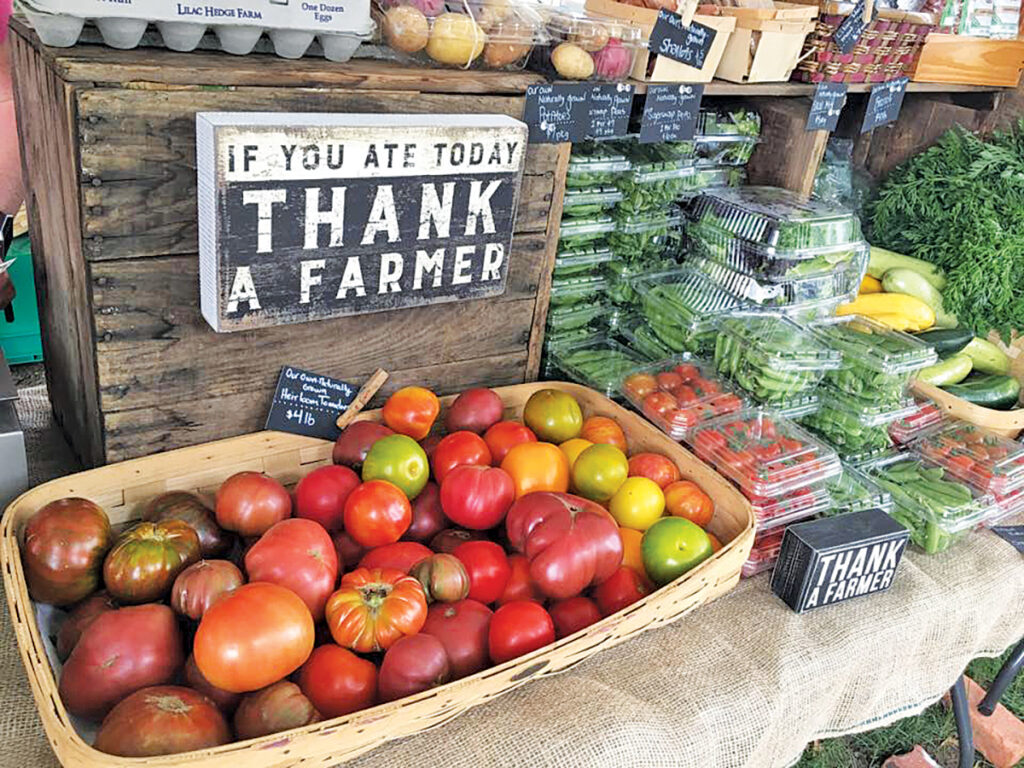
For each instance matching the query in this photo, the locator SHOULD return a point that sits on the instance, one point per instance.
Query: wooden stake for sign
(365, 394)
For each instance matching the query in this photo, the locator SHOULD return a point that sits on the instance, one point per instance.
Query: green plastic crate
(21, 340)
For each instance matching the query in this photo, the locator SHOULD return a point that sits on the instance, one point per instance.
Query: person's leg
(11, 190)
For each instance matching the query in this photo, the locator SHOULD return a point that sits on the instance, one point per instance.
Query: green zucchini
(882, 261)
(989, 391)
(987, 357)
(915, 284)
(946, 341)
(950, 371)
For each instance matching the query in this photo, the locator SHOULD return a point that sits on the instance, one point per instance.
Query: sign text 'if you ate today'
(305, 216)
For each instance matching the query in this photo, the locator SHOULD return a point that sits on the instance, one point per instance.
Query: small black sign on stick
(826, 106)
(1011, 533)
(884, 103)
(307, 403)
(853, 26)
(556, 112)
(670, 113)
(686, 44)
(608, 108)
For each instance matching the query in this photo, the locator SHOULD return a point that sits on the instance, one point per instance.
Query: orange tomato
(411, 411)
(686, 499)
(537, 467)
(715, 543)
(632, 556)
(601, 429)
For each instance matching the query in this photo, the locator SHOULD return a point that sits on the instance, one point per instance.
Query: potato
(406, 29)
(572, 62)
(455, 39)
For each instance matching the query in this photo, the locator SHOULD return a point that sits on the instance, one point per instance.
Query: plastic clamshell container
(589, 201)
(728, 122)
(765, 454)
(575, 316)
(595, 164)
(598, 363)
(857, 428)
(621, 274)
(777, 217)
(989, 462)
(1007, 506)
(713, 176)
(572, 291)
(634, 332)
(853, 491)
(765, 552)
(801, 504)
(581, 261)
(579, 233)
(645, 237)
(679, 393)
(659, 175)
(724, 150)
(582, 45)
(925, 416)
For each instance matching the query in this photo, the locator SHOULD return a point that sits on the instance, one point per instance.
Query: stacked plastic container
(586, 46)
(853, 491)
(600, 363)
(725, 140)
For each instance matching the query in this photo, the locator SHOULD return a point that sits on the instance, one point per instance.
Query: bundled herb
(960, 205)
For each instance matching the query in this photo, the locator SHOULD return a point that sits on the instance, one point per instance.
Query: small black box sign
(823, 562)
(307, 403)
(686, 44)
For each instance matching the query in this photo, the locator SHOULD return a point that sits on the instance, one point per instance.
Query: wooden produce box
(766, 44)
(109, 150)
(970, 60)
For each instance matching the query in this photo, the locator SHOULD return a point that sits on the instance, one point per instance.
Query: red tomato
(253, 637)
(414, 664)
(192, 509)
(443, 578)
(411, 411)
(573, 614)
(477, 497)
(520, 586)
(487, 567)
(226, 701)
(449, 539)
(202, 584)
(81, 616)
(601, 429)
(338, 682)
(355, 442)
(400, 556)
(476, 410)
(374, 608)
(142, 565)
(162, 720)
(459, 449)
(249, 503)
(321, 495)
(657, 404)
(668, 380)
(462, 629)
(686, 499)
(377, 513)
(518, 628)
(278, 707)
(349, 550)
(504, 436)
(654, 466)
(624, 588)
(427, 518)
(640, 385)
(297, 554)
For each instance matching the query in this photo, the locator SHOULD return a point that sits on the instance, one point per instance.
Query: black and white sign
(670, 113)
(884, 103)
(560, 112)
(686, 44)
(827, 561)
(1012, 533)
(826, 106)
(311, 216)
(306, 403)
(853, 26)
(608, 108)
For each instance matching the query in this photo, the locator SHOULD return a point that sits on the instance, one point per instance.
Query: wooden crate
(109, 152)
(970, 60)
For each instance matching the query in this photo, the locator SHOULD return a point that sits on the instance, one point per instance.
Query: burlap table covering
(742, 682)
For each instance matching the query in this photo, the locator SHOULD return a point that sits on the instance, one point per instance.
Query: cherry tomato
(504, 436)
(462, 629)
(400, 556)
(518, 628)
(321, 495)
(574, 614)
(654, 466)
(411, 411)
(459, 449)
(657, 404)
(640, 385)
(668, 380)
(686, 499)
(337, 681)
(488, 569)
(249, 503)
(374, 608)
(537, 467)
(520, 586)
(602, 430)
(377, 513)
(624, 588)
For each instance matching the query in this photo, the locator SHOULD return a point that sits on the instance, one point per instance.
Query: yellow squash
(870, 285)
(897, 310)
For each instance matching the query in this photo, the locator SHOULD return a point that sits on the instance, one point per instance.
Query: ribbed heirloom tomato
(411, 411)
(146, 559)
(537, 467)
(374, 608)
(401, 556)
(477, 497)
(377, 513)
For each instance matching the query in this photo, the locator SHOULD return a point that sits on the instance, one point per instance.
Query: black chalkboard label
(828, 102)
(670, 113)
(884, 103)
(307, 403)
(686, 44)
(1012, 533)
(853, 26)
(608, 108)
(557, 112)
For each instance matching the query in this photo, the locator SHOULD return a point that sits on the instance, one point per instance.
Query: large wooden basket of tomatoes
(136, 659)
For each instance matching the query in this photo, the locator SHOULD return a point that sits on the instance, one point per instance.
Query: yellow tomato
(599, 471)
(638, 504)
(573, 448)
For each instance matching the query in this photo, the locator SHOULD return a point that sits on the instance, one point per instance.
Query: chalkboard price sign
(884, 103)
(826, 106)
(1011, 533)
(686, 44)
(608, 108)
(557, 112)
(853, 26)
(670, 113)
(307, 403)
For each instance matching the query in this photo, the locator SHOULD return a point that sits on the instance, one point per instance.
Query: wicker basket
(123, 489)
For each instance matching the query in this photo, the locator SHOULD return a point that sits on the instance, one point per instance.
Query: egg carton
(292, 25)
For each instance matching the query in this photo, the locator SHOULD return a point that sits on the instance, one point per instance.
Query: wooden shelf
(723, 88)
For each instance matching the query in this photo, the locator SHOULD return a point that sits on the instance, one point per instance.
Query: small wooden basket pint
(123, 489)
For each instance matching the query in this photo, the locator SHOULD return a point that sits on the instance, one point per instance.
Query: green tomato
(553, 415)
(672, 546)
(599, 471)
(401, 461)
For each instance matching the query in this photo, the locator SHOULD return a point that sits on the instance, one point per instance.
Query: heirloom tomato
(632, 554)
(377, 513)
(672, 547)
(415, 663)
(202, 584)
(537, 467)
(65, 543)
(297, 554)
(715, 543)
(162, 720)
(638, 503)
(428, 519)
(399, 460)
(686, 499)
(457, 450)
(118, 653)
(191, 509)
(475, 410)
(553, 415)
(373, 608)
(349, 550)
(622, 588)
(654, 466)
(520, 586)
(355, 441)
(449, 539)
(429, 445)
(249, 503)
(443, 578)
(604, 431)
(573, 448)
(570, 542)
(338, 682)
(147, 558)
(477, 497)
(573, 614)
(488, 569)
(519, 628)
(280, 706)
(462, 629)
(321, 495)
(504, 436)
(226, 701)
(411, 411)
(253, 637)
(400, 556)
(80, 617)
(599, 472)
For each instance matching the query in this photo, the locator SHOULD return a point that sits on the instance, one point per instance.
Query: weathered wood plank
(143, 431)
(788, 156)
